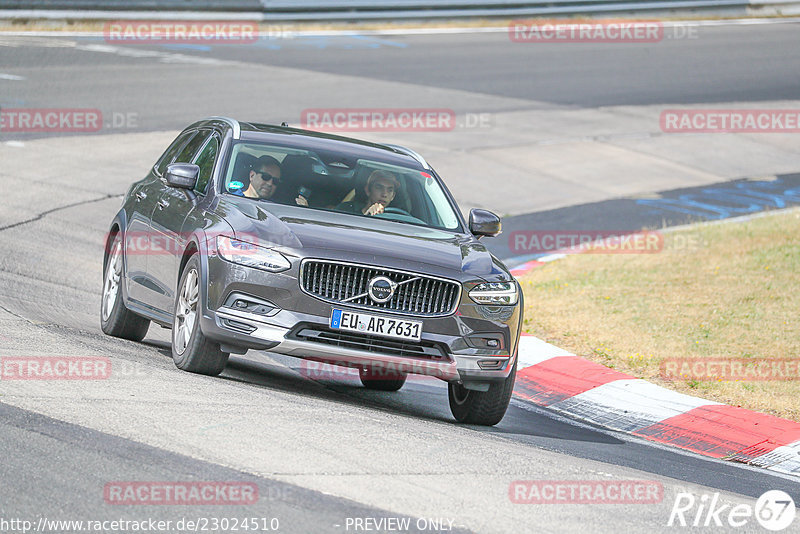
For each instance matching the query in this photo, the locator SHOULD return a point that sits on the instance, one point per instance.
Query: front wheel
(481, 407)
(115, 319)
(191, 350)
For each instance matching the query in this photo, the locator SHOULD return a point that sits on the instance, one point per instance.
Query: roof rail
(237, 130)
(411, 153)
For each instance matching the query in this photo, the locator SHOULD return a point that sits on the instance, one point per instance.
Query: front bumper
(453, 344)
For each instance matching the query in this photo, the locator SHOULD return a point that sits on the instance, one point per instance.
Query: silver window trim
(411, 153)
(233, 123)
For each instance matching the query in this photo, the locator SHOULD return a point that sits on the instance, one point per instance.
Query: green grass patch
(735, 295)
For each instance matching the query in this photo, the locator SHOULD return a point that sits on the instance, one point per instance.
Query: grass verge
(732, 293)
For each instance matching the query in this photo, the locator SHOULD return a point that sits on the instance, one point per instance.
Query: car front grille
(346, 283)
(426, 350)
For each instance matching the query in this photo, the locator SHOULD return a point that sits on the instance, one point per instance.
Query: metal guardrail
(330, 10)
(137, 5)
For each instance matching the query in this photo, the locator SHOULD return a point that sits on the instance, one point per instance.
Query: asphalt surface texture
(322, 452)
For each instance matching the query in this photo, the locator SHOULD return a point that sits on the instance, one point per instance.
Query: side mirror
(484, 222)
(182, 175)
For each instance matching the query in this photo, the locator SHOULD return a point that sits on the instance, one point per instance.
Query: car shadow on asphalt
(420, 399)
(164, 347)
(284, 378)
(519, 419)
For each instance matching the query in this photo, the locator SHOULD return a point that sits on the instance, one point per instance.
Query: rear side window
(169, 155)
(187, 154)
(205, 160)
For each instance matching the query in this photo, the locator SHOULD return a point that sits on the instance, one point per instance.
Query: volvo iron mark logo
(381, 289)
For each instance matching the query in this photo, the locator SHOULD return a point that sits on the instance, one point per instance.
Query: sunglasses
(267, 177)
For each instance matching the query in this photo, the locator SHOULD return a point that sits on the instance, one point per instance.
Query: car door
(139, 285)
(171, 210)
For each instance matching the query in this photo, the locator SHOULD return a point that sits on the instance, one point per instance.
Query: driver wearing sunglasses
(265, 178)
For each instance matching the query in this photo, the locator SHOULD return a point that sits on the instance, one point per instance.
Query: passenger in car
(381, 189)
(265, 178)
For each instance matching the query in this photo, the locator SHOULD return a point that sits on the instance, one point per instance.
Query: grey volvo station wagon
(250, 236)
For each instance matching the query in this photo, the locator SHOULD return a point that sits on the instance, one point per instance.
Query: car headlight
(495, 293)
(250, 255)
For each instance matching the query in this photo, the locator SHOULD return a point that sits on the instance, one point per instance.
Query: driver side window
(192, 147)
(205, 160)
(169, 155)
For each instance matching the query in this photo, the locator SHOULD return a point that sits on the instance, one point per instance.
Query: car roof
(322, 142)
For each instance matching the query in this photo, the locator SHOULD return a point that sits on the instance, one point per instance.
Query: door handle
(141, 195)
(163, 203)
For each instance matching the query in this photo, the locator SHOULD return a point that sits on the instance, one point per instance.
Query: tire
(380, 381)
(481, 407)
(115, 319)
(191, 350)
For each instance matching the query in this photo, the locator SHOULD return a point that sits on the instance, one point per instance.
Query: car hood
(306, 232)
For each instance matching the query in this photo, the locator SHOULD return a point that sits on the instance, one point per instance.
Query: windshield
(363, 187)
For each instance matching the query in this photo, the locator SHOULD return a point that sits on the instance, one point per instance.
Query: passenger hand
(301, 201)
(374, 209)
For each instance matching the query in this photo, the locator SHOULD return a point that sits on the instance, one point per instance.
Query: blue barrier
(728, 200)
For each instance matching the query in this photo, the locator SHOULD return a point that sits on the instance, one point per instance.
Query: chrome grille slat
(420, 294)
(426, 303)
(334, 279)
(338, 276)
(327, 282)
(416, 294)
(438, 297)
(431, 298)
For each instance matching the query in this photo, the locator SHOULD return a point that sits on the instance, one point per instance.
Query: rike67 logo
(774, 510)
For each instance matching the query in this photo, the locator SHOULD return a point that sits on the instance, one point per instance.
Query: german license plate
(378, 325)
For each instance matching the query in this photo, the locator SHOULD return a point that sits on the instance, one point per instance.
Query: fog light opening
(239, 327)
(250, 304)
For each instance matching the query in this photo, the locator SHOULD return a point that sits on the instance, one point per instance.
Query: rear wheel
(481, 407)
(191, 350)
(381, 381)
(115, 319)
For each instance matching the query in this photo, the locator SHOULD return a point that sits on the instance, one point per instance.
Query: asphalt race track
(565, 125)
